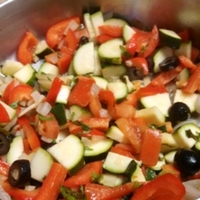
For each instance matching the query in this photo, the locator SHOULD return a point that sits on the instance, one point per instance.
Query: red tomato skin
(113, 31)
(26, 47)
(162, 186)
(55, 33)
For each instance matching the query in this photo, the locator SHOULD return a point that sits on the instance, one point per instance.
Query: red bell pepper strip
(51, 186)
(163, 186)
(95, 191)
(122, 151)
(54, 90)
(31, 135)
(113, 31)
(4, 116)
(55, 33)
(81, 92)
(19, 93)
(104, 38)
(48, 126)
(26, 48)
(165, 77)
(106, 97)
(186, 62)
(19, 194)
(131, 130)
(193, 82)
(150, 148)
(95, 105)
(84, 176)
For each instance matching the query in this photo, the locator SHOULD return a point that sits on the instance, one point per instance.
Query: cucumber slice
(110, 52)
(169, 157)
(97, 20)
(152, 115)
(83, 61)
(161, 55)
(129, 84)
(10, 67)
(42, 49)
(89, 26)
(159, 164)
(188, 99)
(63, 94)
(69, 152)
(116, 163)
(111, 180)
(119, 89)
(115, 22)
(186, 135)
(40, 164)
(59, 112)
(168, 143)
(114, 72)
(95, 148)
(169, 38)
(183, 75)
(48, 68)
(161, 101)
(16, 150)
(115, 134)
(26, 75)
(127, 32)
(101, 82)
(97, 64)
(185, 49)
(79, 113)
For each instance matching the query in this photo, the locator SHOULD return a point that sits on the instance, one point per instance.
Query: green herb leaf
(83, 126)
(96, 177)
(150, 174)
(88, 148)
(70, 194)
(44, 118)
(14, 104)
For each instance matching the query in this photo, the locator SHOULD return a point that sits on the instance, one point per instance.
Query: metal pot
(17, 16)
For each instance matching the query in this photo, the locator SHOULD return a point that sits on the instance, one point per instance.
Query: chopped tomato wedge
(4, 116)
(81, 92)
(131, 99)
(54, 90)
(186, 62)
(95, 191)
(166, 187)
(140, 63)
(151, 90)
(26, 48)
(114, 31)
(131, 130)
(107, 97)
(193, 82)
(124, 110)
(150, 138)
(55, 33)
(122, 151)
(20, 93)
(4, 168)
(95, 105)
(8, 90)
(131, 45)
(99, 123)
(47, 126)
(184, 34)
(104, 38)
(84, 175)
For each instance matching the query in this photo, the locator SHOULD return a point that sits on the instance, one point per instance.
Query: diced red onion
(96, 138)
(104, 113)
(73, 25)
(11, 124)
(4, 195)
(43, 108)
(95, 89)
(45, 139)
(192, 189)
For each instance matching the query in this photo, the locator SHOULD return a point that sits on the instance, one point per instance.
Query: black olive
(187, 161)
(169, 63)
(83, 40)
(179, 111)
(19, 173)
(134, 73)
(4, 144)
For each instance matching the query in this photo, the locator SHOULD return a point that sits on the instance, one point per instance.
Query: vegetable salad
(100, 110)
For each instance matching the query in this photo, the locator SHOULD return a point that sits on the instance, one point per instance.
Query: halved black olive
(83, 40)
(169, 63)
(4, 144)
(19, 173)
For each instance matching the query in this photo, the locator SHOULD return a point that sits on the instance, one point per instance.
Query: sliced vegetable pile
(100, 110)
